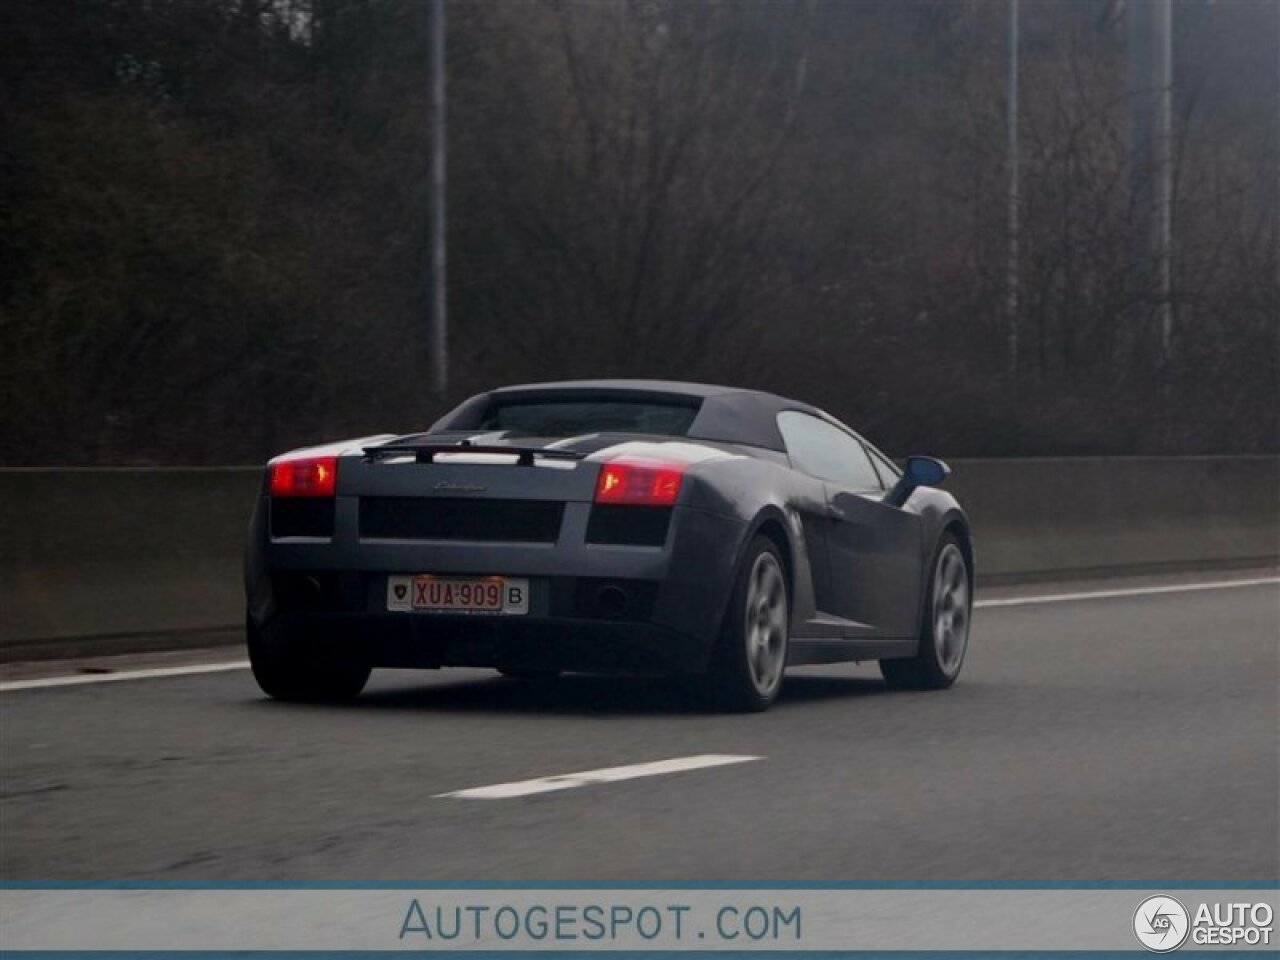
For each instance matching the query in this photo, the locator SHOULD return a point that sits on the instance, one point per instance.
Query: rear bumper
(413, 640)
(676, 595)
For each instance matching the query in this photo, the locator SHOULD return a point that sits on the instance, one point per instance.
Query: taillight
(635, 482)
(304, 477)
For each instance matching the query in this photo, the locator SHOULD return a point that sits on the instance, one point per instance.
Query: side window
(826, 452)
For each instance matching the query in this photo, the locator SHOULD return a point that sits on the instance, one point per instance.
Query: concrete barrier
(120, 559)
(1055, 518)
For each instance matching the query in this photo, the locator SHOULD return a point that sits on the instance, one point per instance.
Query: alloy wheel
(951, 609)
(766, 623)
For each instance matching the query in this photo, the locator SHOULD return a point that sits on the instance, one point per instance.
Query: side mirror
(920, 472)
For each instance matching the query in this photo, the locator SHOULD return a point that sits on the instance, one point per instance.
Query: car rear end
(439, 550)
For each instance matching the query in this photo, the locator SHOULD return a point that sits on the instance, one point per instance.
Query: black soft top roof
(725, 414)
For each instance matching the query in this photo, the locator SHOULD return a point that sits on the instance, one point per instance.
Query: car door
(873, 550)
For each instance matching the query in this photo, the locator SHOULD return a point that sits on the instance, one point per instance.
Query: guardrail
(109, 560)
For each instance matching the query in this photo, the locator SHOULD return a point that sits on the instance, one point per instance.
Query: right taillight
(637, 482)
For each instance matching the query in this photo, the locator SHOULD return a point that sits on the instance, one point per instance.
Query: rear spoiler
(426, 452)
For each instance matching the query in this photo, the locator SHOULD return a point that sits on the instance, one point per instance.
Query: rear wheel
(944, 632)
(751, 653)
(287, 669)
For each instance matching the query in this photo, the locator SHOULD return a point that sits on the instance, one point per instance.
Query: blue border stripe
(1157, 885)
(579, 954)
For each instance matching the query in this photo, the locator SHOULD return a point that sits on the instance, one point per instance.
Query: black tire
(933, 667)
(750, 655)
(287, 670)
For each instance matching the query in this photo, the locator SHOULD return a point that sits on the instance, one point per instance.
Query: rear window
(570, 418)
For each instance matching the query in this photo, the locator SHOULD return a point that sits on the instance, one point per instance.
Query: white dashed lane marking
(568, 781)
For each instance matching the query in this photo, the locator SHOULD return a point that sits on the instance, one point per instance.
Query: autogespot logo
(1161, 924)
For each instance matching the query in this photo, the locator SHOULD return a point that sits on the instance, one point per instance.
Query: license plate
(426, 593)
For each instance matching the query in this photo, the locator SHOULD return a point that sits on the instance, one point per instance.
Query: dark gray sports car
(608, 526)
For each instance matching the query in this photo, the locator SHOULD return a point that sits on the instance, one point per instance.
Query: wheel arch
(771, 522)
(957, 524)
(772, 528)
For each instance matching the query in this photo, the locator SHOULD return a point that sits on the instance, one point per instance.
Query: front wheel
(944, 633)
(751, 653)
(288, 669)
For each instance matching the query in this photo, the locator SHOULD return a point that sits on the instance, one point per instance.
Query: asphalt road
(1108, 738)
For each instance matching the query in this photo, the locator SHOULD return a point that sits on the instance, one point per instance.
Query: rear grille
(633, 526)
(302, 516)
(451, 518)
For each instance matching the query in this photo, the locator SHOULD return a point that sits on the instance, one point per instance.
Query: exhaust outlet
(612, 602)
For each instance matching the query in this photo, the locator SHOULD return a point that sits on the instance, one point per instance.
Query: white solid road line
(1127, 592)
(77, 679)
(198, 668)
(567, 781)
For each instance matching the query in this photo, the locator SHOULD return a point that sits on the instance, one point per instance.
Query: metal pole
(1163, 25)
(1140, 163)
(439, 331)
(1011, 275)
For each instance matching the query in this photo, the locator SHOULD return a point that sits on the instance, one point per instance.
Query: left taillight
(303, 477)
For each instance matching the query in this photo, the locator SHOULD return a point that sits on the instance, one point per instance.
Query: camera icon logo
(1161, 924)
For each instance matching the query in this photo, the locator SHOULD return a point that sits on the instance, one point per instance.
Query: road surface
(1113, 737)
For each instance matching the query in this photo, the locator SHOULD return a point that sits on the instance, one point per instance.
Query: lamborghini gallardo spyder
(611, 526)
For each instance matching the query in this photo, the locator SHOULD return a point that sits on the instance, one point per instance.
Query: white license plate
(426, 593)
